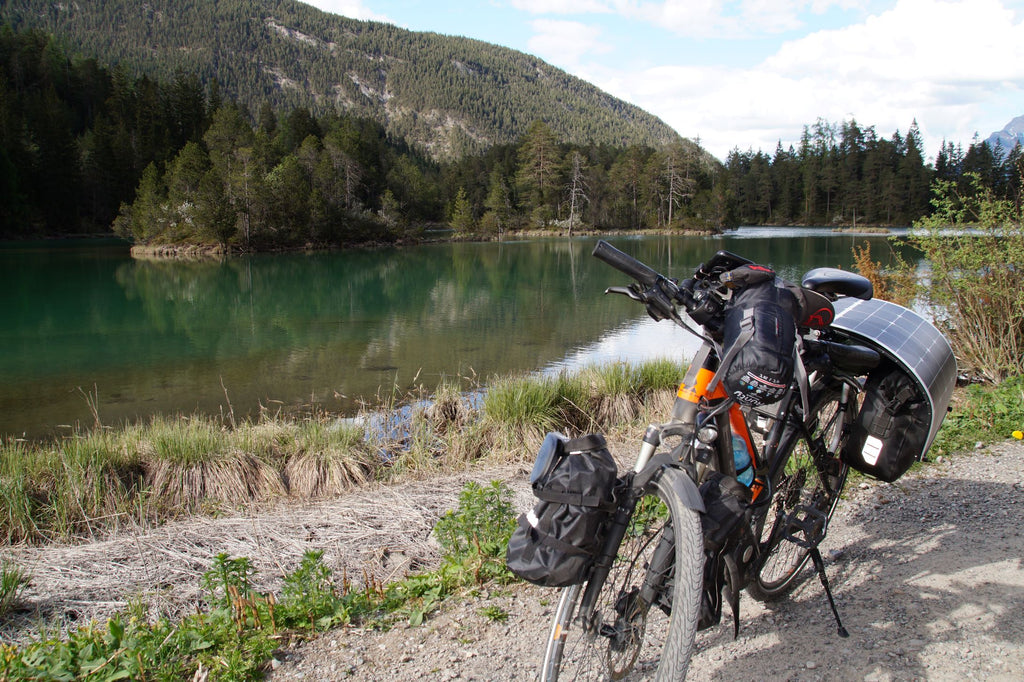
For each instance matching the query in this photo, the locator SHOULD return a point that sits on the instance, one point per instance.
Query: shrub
(896, 284)
(974, 244)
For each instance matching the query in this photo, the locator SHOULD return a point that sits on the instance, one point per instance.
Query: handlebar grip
(625, 263)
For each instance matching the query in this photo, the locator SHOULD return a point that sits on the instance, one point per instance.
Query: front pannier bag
(891, 430)
(555, 543)
(759, 334)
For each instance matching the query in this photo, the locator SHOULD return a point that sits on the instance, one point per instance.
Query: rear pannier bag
(891, 429)
(555, 544)
(759, 335)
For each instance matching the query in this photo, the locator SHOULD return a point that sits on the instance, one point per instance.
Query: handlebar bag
(891, 429)
(555, 544)
(758, 342)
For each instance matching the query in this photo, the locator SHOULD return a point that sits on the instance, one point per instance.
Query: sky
(748, 74)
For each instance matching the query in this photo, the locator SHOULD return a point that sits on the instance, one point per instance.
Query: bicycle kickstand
(819, 566)
(812, 523)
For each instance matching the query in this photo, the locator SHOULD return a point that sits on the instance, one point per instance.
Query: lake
(325, 330)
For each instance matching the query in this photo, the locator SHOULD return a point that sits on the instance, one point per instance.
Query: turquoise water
(326, 330)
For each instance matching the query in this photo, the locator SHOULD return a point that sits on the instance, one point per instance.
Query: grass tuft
(100, 480)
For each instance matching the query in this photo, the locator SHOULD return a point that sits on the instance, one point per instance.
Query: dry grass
(896, 284)
(281, 487)
(101, 480)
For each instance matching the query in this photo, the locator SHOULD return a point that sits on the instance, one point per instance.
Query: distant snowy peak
(1009, 136)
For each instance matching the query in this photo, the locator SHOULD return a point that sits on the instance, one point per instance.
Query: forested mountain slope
(448, 95)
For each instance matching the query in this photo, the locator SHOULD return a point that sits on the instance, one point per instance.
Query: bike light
(707, 434)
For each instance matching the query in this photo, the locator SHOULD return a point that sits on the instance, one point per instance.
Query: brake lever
(626, 291)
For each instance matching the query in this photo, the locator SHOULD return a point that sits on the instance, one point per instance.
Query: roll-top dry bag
(556, 542)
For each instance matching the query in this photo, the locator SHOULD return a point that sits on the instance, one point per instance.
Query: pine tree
(538, 171)
(462, 214)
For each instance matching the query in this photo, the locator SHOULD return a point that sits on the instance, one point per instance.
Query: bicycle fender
(684, 487)
(664, 465)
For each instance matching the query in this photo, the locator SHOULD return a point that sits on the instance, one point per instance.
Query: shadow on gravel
(929, 581)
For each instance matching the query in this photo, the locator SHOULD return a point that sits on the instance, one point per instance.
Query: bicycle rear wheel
(627, 637)
(807, 481)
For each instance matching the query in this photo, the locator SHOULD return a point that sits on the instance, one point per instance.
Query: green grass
(235, 637)
(185, 441)
(531, 402)
(982, 413)
(105, 478)
(13, 580)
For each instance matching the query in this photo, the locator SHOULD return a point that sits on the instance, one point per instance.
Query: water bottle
(741, 458)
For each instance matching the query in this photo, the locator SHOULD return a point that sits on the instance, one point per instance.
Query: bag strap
(747, 327)
(593, 441)
(550, 540)
(902, 396)
(577, 499)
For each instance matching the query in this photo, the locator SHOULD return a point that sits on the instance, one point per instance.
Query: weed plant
(235, 638)
(982, 414)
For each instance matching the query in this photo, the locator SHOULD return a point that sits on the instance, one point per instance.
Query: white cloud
(697, 18)
(561, 6)
(943, 63)
(565, 42)
(353, 9)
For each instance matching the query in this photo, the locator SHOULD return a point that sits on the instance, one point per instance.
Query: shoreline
(138, 475)
(221, 251)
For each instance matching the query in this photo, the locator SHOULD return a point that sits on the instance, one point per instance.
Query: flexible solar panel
(910, 340)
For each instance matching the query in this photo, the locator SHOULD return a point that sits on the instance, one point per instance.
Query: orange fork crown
(694, 389)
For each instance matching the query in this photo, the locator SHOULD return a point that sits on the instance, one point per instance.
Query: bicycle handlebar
(626, 264)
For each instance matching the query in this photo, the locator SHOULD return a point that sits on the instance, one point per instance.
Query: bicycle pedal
(832, 466)
(809, 522)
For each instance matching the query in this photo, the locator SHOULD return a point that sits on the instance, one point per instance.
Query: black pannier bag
(891, 429)
(906, 396)
(759, 333)
(555, 544)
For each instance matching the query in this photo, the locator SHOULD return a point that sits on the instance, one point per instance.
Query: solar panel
(910, 340)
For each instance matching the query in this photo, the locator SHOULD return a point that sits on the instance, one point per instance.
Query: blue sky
(748, 73)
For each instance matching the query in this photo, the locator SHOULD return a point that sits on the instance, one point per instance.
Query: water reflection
(292, 330)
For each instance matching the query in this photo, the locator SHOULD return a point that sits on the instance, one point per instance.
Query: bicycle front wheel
(813, 477)
(628, 636)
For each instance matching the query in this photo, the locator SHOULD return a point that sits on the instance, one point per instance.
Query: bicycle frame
(693, 561)
(699, 402)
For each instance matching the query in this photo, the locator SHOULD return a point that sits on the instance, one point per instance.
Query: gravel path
(927, 575)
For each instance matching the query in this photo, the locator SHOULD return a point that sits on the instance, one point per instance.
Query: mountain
(447, 95)
(1009, 136)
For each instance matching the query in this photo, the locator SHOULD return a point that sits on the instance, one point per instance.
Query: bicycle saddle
(834, 282)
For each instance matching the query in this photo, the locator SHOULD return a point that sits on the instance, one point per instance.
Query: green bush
(974, 244)
(484, 516)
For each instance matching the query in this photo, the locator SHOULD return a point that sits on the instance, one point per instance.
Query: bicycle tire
(650, 642)
(801, 482)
